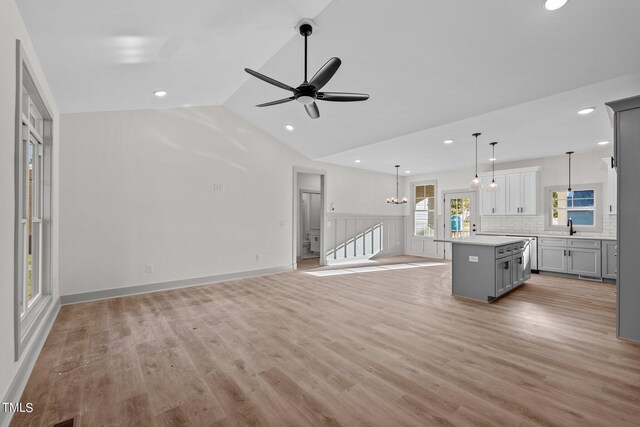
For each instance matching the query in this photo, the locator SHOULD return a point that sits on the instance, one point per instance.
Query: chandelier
(396, 200)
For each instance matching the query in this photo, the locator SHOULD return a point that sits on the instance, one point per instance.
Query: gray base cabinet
(485, 273)
(552, 259)
(584, 262)
(503, 276)
(609, 259)
(570, 256)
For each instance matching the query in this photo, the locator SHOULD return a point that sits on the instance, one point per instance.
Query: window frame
(597, 208)
(413, 209)
(29, 314)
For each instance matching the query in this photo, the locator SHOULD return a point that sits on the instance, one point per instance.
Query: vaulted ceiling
(434, 69)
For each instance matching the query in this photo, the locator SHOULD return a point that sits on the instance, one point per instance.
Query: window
(581, 205)
(33, 207)
(424, 210)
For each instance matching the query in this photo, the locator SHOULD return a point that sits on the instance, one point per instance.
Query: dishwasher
(533, 245)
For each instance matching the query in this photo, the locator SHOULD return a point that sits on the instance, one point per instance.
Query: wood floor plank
(390, 347)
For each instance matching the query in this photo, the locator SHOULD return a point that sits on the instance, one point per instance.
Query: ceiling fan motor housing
(306, 29)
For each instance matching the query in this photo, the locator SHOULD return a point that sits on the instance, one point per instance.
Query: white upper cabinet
(522, 193)
(517, 192)
(610, 205)
(493, 202)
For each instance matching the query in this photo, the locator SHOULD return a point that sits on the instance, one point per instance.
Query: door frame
(445, 217)
(302, 191)
(296, 214)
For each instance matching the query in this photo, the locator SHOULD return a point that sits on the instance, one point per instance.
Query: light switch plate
(473, 259)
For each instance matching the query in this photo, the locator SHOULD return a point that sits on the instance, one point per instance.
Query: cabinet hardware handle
(564, 252)
(612, 162)
(506, 265)
(568, 253)
(610, 208)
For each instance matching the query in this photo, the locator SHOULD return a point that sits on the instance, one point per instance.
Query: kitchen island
(487, 267)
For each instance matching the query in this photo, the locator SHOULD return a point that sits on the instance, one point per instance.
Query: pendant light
(475, 182)
(494, 185)
(396, 200)
(569, 190)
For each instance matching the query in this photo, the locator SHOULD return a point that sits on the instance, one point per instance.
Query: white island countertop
(483, 240)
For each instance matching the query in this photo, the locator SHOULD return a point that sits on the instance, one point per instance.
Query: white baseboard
(164, 286)
(29, 357)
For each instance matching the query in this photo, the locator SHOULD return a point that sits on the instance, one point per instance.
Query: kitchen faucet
(570, 225)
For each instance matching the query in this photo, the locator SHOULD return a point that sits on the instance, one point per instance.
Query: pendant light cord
(397, 192)
(493, 162)
(477, 134)
(476, 156)
(569, 153)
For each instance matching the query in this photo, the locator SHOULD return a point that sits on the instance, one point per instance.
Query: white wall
(12, 28)
(139, 187)
(586, 168)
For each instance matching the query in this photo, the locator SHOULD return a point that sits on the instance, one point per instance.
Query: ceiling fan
(309, 91)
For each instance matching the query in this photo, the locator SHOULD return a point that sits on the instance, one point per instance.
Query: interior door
(460, 214)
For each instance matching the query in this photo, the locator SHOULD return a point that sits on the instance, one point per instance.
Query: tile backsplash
(535, 225)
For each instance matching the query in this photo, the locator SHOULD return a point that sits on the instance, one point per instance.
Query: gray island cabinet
(487, 267)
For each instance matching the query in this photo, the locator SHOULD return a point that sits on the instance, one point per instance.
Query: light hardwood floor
(385, 348)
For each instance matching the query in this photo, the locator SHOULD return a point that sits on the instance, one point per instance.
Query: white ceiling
(112, 55)
(434, 69)
(544, 127)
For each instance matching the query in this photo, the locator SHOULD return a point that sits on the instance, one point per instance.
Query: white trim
(25, 325)
(597, 208)
(412, 209)
(294, 213)
(165, 286)
(29, 357)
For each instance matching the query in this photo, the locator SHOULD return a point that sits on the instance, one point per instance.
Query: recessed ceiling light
(289, 127)
(603, 142)
(407, 171)
(160, 93)
(588, 110)
(357, 161)
(448, 141)
(554, 4)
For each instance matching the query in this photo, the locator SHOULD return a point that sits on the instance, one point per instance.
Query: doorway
(308, 219)
(460, 214)
(309, 225)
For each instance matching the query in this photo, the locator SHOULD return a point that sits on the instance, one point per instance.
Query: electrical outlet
(258, 257)
(148, 268)
(218, 188)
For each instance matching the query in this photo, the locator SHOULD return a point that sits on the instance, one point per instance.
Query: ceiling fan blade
(312, 110)
(269, 80)
(341, 96)
(325, 73)
(279, 101)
